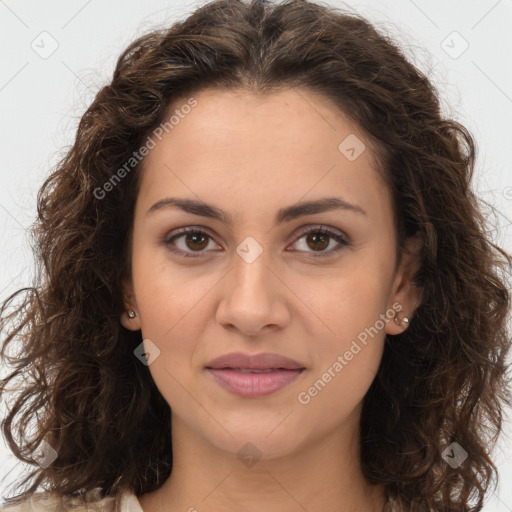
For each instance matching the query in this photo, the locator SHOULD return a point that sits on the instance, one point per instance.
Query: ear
(405, 296)
(130, 304)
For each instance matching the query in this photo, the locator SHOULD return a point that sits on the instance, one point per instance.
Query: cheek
(171, 310)
(347, 305)
(167, 296)
(348, 346)
(348, 334)
(171, 327)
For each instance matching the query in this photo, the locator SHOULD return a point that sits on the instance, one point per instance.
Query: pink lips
(252, 376)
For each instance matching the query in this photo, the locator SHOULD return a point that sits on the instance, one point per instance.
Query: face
(317, 286)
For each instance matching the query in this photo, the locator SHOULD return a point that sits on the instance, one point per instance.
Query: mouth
(253, 376)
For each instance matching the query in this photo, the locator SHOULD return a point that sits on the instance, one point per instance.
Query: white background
(42, 99)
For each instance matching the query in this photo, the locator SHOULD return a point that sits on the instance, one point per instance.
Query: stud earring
(131, 313)
(401, 323)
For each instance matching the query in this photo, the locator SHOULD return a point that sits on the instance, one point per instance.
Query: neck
(323, 476)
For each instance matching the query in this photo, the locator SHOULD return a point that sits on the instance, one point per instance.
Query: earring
(131, 313)
(401, 323)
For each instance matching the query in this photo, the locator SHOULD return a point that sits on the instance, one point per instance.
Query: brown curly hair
(442, 380)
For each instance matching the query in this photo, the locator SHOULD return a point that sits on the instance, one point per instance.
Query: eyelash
(167, 241)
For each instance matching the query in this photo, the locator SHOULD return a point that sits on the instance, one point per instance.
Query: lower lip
(254, 385)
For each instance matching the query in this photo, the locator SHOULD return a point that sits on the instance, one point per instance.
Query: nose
(253, 298)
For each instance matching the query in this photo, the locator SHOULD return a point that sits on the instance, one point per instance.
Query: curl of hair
(444, 379)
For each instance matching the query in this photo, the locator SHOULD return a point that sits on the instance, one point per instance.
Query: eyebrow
(283, 215)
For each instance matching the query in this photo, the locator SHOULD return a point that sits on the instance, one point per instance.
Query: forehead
(277, 147)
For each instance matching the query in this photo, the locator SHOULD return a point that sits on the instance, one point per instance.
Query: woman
(266, 282)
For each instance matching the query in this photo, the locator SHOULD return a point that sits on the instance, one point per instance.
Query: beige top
(45, 502)
(125, 502)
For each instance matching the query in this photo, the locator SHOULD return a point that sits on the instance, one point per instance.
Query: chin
(258, 435)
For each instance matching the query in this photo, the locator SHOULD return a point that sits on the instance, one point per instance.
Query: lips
(253, 376)
(264, 361)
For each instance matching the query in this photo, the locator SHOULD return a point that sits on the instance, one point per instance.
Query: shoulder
(126, 501)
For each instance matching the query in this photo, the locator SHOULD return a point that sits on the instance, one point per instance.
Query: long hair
(442, 381)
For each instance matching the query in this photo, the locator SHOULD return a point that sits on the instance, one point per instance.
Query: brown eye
(317, 241)
(319, 238)
(196, 241)
(191, 240)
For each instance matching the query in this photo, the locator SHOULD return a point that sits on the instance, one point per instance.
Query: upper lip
(263, 361)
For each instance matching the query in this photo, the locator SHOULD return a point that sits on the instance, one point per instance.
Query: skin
(250, 156)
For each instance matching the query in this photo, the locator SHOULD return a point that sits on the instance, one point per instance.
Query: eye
(319, 238)
(196, 240)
